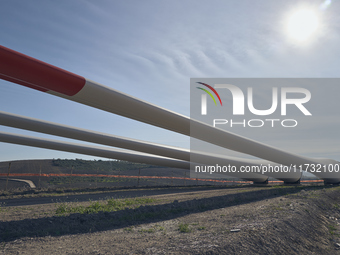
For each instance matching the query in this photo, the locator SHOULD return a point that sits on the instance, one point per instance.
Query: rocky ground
(204, 220)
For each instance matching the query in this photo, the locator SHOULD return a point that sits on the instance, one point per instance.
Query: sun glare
(302, 25)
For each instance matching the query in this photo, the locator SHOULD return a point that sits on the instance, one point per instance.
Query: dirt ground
(204, 220)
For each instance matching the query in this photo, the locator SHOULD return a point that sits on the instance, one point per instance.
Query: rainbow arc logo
(209, 93)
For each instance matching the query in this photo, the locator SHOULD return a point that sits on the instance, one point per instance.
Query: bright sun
(302, 24)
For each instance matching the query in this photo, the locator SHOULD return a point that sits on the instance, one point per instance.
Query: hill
(79, 166)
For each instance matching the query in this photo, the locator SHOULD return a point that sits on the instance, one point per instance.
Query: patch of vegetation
(150, 230)
(331, 227)
(314, 195)
(332, 230)
(277, 207)
(201, 228)
(184, 228)
(337, 206)
(130, 229)
(110, 165)
(110, 206)
(78, 179)
(62, 209)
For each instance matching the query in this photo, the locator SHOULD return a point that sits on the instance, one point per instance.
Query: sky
(150, 50)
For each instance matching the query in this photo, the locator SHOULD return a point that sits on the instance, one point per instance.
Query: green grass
(331, 227)
(184, 228)
(201, 228)
(149, 230)
(102, 165)
(332, 230)
(111, 205)
(78, 179)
